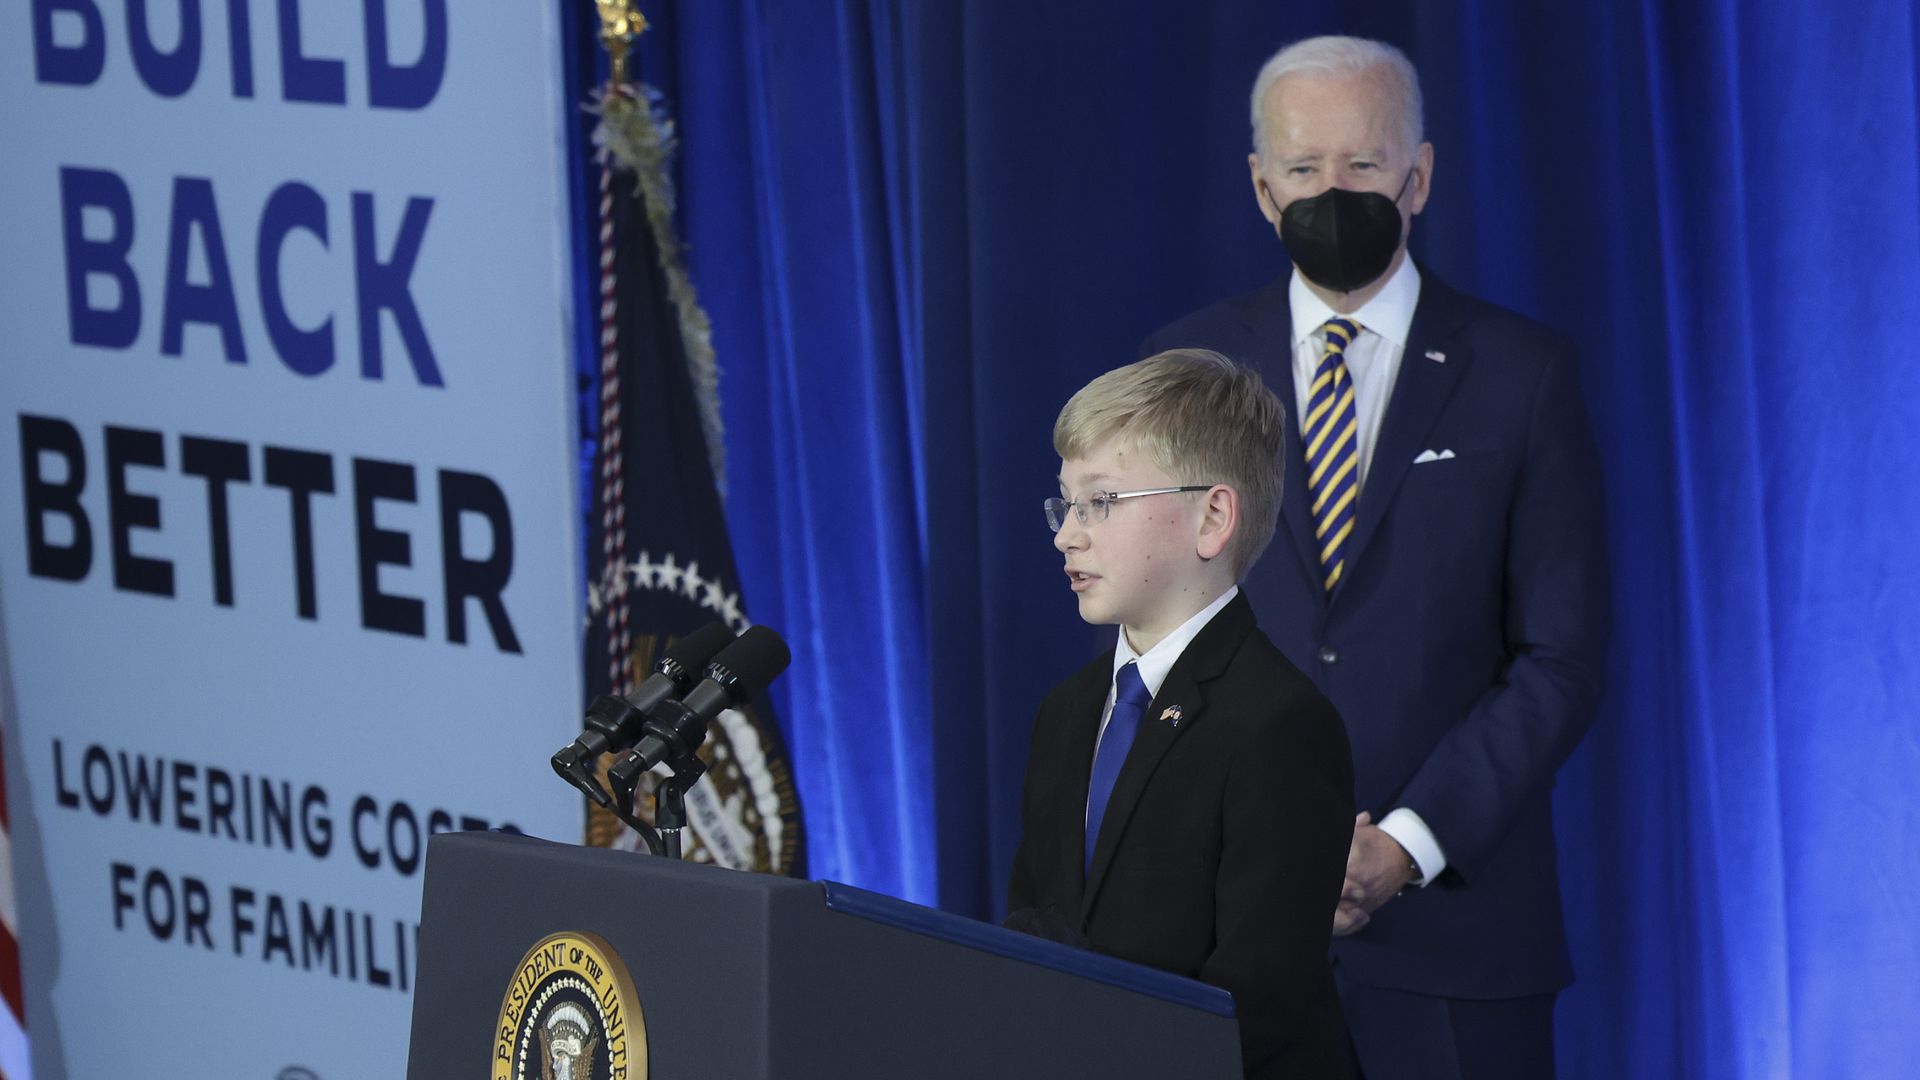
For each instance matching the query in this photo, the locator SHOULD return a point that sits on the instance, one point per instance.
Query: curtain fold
(918, 227)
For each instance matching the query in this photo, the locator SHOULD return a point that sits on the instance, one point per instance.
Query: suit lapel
(1419, 393)
(1204, 659)
(1295, 519)
(1269, 321)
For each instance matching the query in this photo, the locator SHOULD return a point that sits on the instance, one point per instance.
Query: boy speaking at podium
(1189, 796)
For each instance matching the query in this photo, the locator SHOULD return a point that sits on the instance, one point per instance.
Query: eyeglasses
(1094, 509)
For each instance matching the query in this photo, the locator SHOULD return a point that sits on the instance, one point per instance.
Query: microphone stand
(669, 805)
(623, 809)
(670, 801)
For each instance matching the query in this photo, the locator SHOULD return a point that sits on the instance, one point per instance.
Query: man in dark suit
(1444, 582)
(1188, 794)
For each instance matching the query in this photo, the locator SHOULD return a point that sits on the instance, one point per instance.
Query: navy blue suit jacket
(1464, 644)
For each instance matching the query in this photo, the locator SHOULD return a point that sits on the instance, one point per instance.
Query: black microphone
(675, 729)
(614, 723)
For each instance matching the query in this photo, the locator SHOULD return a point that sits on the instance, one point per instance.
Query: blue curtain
(919, 226)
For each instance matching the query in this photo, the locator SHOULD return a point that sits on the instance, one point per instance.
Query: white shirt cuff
(1411, 833)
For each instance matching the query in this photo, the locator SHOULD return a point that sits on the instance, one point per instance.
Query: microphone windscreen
(755, 658)
(693, 651)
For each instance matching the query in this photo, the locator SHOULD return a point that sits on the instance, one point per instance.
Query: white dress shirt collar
(1389, 314)
(1157, 661)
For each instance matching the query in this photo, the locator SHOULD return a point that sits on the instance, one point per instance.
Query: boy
(1189, 798)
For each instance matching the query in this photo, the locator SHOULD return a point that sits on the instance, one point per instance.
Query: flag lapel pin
(1436, 356)
(1172, 715)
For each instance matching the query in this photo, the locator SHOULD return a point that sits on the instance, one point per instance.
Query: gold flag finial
(620, 23)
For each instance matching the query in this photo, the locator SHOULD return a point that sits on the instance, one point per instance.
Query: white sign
(290, 570)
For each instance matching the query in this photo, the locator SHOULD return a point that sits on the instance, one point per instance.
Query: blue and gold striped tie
(1332, 432)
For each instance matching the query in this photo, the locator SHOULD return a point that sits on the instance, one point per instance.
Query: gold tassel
(642, 143)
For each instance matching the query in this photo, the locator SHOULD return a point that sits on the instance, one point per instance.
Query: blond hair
(1201, 419)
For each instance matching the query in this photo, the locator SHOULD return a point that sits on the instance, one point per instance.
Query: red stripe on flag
(10, 976)
(9, 948)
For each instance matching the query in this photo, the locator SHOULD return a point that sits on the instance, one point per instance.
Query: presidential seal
(570, 1014)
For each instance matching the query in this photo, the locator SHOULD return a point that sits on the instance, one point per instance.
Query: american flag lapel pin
(1172, 715)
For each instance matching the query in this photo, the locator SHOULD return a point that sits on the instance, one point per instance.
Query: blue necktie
(1130, 700)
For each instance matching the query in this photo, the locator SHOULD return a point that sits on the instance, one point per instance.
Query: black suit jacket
(1465, 642)
(1224, 844)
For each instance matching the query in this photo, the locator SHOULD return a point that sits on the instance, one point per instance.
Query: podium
(738, 976)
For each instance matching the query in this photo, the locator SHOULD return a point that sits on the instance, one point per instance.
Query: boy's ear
(1219, 520)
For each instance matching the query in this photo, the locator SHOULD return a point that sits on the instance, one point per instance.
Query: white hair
(1335, 55)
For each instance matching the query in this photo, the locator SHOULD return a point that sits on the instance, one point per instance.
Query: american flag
(14, 1064)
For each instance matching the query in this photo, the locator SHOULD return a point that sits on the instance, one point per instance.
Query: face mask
(1343, 240)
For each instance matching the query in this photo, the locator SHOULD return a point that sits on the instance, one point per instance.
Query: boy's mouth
(1080, 579)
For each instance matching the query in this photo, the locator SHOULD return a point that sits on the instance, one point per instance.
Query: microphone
(613, 723)
(675, 729)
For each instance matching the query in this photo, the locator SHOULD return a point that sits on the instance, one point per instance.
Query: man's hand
(1377, 869)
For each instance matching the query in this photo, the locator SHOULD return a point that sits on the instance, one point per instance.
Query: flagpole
(620, 23)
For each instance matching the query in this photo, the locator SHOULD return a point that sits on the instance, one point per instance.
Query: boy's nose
(1071, 536)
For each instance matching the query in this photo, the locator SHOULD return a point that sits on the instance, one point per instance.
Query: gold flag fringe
(640, 139)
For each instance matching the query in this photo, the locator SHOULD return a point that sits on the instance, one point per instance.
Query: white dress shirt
(1373, 362)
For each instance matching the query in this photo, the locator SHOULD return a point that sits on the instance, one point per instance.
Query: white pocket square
(1428, 455)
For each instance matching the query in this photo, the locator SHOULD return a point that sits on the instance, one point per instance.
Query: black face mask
(1343, 240)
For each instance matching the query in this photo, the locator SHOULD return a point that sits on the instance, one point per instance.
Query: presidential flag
(660, 561)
